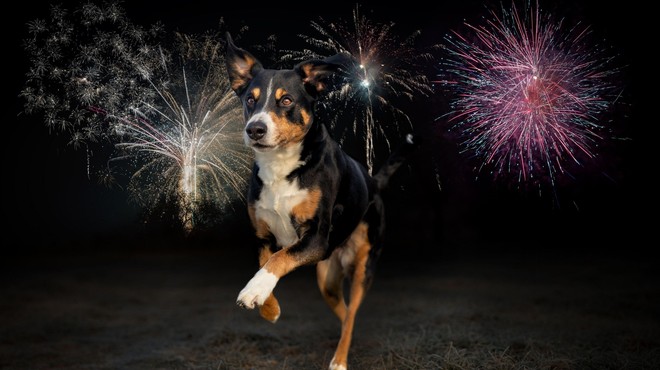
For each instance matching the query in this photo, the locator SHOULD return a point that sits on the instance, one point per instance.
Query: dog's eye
(286, 101)
(250, 101)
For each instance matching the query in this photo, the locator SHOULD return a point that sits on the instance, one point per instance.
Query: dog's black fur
(309, 202)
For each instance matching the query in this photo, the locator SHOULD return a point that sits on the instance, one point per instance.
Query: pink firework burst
(529, 95)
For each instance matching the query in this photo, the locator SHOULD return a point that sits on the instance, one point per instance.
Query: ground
(174, 308)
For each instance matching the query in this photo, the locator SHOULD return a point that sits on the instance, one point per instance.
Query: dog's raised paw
(257, 290)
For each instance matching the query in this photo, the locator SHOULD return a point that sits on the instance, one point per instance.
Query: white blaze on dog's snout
(257, 289)
(262, 115)
(279, 195)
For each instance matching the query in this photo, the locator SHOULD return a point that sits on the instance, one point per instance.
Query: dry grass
(177, 311)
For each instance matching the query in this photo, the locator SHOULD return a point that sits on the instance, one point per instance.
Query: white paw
(257, 289)
(334, 366)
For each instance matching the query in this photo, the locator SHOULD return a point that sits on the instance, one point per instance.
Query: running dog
(308, 201)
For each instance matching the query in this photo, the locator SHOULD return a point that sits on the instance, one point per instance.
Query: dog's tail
(395, 160)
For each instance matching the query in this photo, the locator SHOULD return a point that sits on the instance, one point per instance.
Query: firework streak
(528, 96)
(162, 105)
(385, 69)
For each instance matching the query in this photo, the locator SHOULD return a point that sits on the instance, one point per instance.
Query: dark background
(437, 204)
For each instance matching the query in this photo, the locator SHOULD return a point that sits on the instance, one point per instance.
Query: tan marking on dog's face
(260, 226)
(256, 92)
(307, 118)
(288, 132)
(306, 209)
(279, 93)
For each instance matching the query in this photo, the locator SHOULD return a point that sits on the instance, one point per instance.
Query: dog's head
(278, 104)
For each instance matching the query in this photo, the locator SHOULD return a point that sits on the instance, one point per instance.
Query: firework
(87, 57)
(188, 148)
(168, 115)
(528, 94)
(386, 70)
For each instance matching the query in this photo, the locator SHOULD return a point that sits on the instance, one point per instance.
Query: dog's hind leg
(354, 259)
(270, 310)
(330, 276)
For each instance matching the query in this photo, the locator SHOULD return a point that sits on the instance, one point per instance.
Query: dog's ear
(241, 66)
(316, 72)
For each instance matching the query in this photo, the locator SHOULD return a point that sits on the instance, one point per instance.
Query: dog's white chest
(279, 195)
(274, 207)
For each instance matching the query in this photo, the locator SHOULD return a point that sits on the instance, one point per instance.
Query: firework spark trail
(385, 69)
(170, 114)
(528, 96)
(82, 57)
(194, 143)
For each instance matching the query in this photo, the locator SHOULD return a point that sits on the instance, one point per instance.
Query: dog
(308, 201)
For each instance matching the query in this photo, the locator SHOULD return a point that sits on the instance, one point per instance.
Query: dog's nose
(256, 130)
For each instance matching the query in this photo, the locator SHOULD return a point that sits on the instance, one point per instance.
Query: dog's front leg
(309, 250)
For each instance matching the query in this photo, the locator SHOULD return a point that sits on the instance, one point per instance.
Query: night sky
(50, 202)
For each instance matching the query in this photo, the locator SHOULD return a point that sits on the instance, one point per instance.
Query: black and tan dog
(308, 201)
